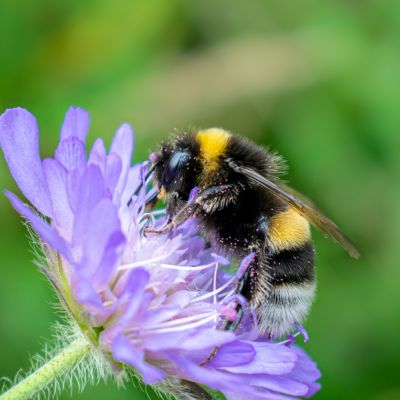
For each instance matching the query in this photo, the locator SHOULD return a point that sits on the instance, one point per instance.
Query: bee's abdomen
(292, 266)
(291, 289)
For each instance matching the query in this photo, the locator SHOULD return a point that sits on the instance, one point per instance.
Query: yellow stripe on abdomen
(288, 230)
(213, 143)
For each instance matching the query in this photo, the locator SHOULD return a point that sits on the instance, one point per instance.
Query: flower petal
(312, 389)
(217, 379)
(206, 339)
(122, 145)
(19, 139)
(132, 184)
(112, 253)
(85, 293)
(269, 359)
(306, 369)
(56, 176)
(76, 123)
(45, 231)
(278, 383)
(257, 394)
(98, 154)
(102, 224)
(71, 153)
(232, 354)
(84, 193)
(113, 172)
(125, 352)
(134, 290)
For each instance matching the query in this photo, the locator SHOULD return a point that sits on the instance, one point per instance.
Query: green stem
(53, 369)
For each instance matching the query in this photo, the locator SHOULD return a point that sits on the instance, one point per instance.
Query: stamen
(215, 282)
(228, 295)
(187, 268)
(215, 291)
(185, 326)
(159, 212)
(290, 340)
(215, 288)
(143, 262)
(179, 321)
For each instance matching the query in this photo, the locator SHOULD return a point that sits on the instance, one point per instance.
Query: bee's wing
(319, 220)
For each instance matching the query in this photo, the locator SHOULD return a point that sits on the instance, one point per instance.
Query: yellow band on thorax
(213, 143)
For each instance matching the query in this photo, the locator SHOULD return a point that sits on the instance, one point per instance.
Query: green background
(317, 80)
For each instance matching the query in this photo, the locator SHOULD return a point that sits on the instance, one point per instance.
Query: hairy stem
(54, 368)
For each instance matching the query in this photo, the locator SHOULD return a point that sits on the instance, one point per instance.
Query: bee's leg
(183, 215)
(209, 200)
(218, 197)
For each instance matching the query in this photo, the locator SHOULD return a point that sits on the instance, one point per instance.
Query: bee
(242, 206)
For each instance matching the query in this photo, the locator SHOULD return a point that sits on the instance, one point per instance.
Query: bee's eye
(177, 161)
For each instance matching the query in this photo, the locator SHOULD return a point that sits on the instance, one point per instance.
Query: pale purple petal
(180, 298)
(112, 172)
(56, 176)
(312, 389)
(45, 231)
(85, 293)
(170, 341)
(122, 145)
(134, 290)
(232, 354)
(84, 193)
(98, 154)
(102, 224)
(19, 139)
(217, 379)
(278, 383)
(257, 394)
(269, 359)
(306, 370)
(206, 339)
(131, 184)
(111, 255)
(71, 153)
(160, 314)
(125, 352)
(76, 123)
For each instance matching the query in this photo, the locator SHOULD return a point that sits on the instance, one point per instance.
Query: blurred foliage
(316, 80)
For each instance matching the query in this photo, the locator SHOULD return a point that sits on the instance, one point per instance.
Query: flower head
(153, 303)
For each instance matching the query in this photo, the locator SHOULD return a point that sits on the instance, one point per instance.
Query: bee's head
(175, 169)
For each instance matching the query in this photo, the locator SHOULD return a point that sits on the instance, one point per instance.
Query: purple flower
(151, 303)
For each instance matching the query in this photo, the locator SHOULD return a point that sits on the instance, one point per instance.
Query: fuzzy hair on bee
(242, 206)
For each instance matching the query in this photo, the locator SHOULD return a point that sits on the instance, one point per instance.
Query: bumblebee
(242, 206)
